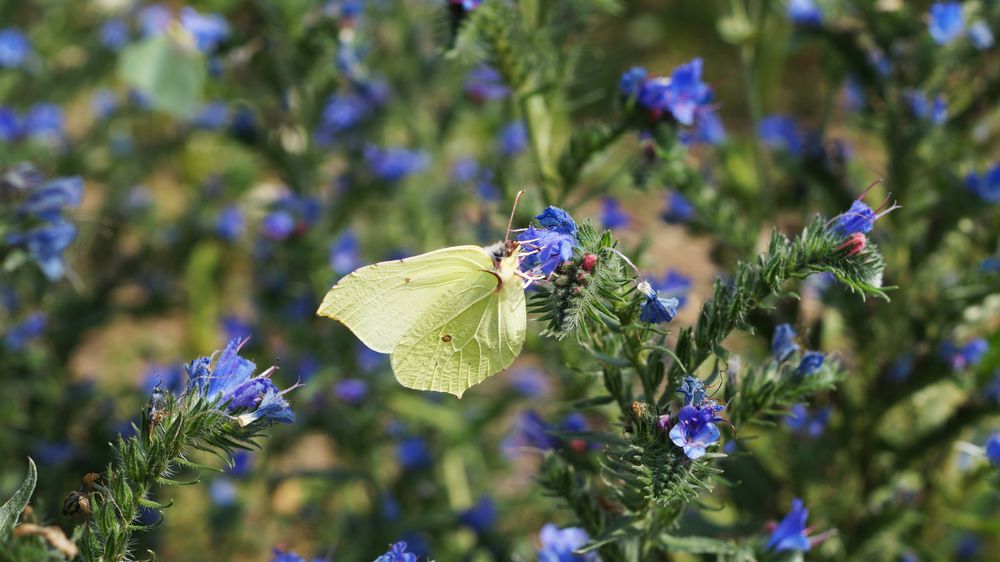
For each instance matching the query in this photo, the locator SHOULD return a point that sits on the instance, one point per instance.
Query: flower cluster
(41, 122)
(551, 244)
(231, 383)
(37, 223)
(695, 429)
(682, 96)
(854, 225)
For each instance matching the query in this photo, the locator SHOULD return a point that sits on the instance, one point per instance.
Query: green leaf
(15, 505)
(171, 74)
(700, 545)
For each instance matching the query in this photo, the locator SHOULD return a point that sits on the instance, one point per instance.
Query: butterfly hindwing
(477, 334)
(381, 302)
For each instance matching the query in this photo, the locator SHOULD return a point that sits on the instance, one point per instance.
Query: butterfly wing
(381, 302)
(477, 333)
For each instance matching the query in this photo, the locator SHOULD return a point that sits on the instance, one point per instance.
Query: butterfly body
(448, 318)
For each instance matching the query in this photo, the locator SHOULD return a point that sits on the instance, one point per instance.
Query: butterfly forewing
(381, 302)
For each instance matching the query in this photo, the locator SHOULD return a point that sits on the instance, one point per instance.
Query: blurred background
(239, 156)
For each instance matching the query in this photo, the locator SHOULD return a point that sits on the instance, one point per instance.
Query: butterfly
(449, 319)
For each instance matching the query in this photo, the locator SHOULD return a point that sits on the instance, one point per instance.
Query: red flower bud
(589, 261)
(854, 244)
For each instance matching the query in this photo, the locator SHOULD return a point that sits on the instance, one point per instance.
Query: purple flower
(232, 383)
(351, 391)
(513, 139)
(28, 330)
(45, 245)
(810, 363)
(993, 449)
(558, 544)
(230, 223)
(783, 342)
(394, 164)
(14, 48)
(986, 186)
(114, 34)
(612, 215)
(485, 84)
(804, 12)
(802, 422)
(413, 454)
(946, 22)
(790, 534)
(655, 309)
(695, 430)
(980, 36)
(344, 253)
(481, 517)
(208, 30)
(782, 133)
(397, 553)
(678, 210)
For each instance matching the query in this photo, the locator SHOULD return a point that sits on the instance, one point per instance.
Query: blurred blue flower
(695, 429)
(397, 553)
(345, 256)
(242, 464)
(946, 22)
(683, 95)
(394, 164)
(10, 125)
(530, 382)
(367, 359)
(230, 223)
(707, 129)
(231, 381)
(854, 94)
(678, 209)
(283, 555)
(208, 30)
(783, 342)
(993, 449)
(810, 363)
(277, 225)
(464, 170)
(236, 327)
(44, 121)
(390, 507)
(673, 284)
(222, 492)
(481, 516)
(343, 112)
(114, 34)
(791, 531)
(859, 218)
(934, 111)
(45, 245)
(513, 139)
(781, 132)
(50, 200)
(53, 453)
(968, 547)
(900, 368)
(413, 454)
(612, 215)
(213, 116)
(558, 544)
(630, 84)
(352, 391)
(981, 36)
(656, 309)
(154, 19)
(484, 84)
(14, 48)
(804, 12)
(964, 356)
(802, 422)
(529, 431)
(986, 186)
(103, 103)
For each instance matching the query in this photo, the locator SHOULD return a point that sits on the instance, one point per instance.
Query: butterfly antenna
(506, 238)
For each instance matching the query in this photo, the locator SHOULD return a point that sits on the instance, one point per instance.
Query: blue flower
(154, 19)
(212, 116)
(464, 170)
(693, 391)
(10, 125)
(558, 220)
(551, 245)
(344, 112)
(397, 553)
(114, 34)
(529, 381)
(782, 133)
(54, 452)
(934, 111)
(222, 492)
(394, 164)
(230, 223)
(413, 454)
(707, 129)
(45, 245)
(242, 464)
(791, 532)
(804, 12)
(513, 139)
(631, 81)
(28, 330)
(352, 391)
(810, 363)
(208, 30)
(900, 368)
(282, 555)
(232, 383)
(367, 359)
(946, 22)
(14, 48)
(860, 218)
(980, 36)
(44, 121)
(612, 215)
(993, 449)
(481, 516)
(802, 422)
(48, 201)
(965, 356)
(655, 309)
(683, 95)
(558, 544)
(344, 253)
(485, 84)
(278, 225)
(695, 429)
(673, 284)
(985, 186)
(236, 327)
(783, 342)
(529, 431)
(678, 210)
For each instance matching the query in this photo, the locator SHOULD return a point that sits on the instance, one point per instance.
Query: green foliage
(12, 508)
